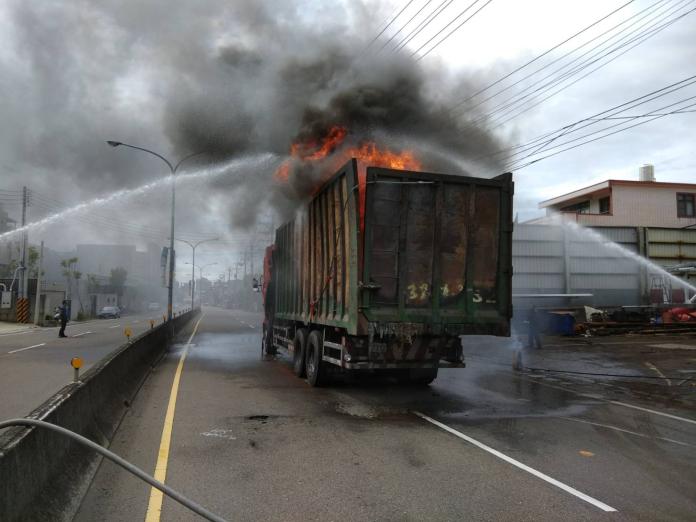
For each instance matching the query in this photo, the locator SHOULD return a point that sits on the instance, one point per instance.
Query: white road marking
(80, 334)
(27, 348)
(618, 403)
(22, 332)
(673, 346)
(668, 415)
(518, 464)
(658, 372)
(115, 326)
(616, 428)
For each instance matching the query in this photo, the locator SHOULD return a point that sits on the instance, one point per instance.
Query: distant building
(621, 203)
(142, 266)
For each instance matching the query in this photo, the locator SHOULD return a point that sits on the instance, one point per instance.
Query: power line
(651, 115)
(497, 93)
(425, 23)
(503, 78)
(630, 104)
(404, 26)
(466, 9)
(629, 118)
(631, 44)
(388, 25)
(519, 167)
(452, 32)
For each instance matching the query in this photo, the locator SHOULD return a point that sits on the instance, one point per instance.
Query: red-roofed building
(622, 203)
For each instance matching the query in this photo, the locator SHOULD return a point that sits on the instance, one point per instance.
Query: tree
(77, 275)
(69, 266)
(33, 261)
(118, 279)
(92, 284)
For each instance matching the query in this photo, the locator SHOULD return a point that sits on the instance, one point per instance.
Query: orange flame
(313, 151)
(370, 154)
(367, 153)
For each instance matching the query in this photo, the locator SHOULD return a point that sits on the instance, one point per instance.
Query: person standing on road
(63, 312)
(534, 333)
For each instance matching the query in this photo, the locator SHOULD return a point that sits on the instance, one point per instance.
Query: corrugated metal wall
(549, 259)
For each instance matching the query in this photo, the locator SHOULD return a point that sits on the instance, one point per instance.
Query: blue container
(562, 323)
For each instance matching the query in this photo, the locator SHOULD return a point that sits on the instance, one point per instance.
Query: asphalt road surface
(250, 441)
(35, 364)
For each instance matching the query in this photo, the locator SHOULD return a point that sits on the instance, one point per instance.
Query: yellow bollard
(128, 332)
(76, 363)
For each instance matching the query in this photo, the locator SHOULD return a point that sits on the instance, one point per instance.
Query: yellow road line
(154, 507)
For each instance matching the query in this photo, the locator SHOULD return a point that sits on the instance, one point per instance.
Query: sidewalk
(11, 328)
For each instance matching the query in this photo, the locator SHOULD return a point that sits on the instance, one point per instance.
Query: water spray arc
(258, 161)
(651, 267)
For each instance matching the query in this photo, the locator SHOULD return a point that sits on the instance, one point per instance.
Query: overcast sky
(236, 79)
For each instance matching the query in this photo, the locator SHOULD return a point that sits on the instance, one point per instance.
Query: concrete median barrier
(43, 475)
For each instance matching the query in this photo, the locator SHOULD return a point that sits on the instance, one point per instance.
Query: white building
(622, 203)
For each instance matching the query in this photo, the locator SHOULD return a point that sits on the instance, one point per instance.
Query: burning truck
(387, 267)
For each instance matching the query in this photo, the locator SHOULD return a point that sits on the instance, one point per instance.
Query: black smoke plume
(226, 78)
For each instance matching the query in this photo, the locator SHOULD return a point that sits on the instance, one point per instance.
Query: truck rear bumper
(367, 365)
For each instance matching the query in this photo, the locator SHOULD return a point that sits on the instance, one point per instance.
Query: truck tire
(299, 350)
(316, 368)
(423, 376)
(267, 348)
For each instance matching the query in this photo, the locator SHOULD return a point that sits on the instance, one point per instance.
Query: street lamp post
(193, 262)
(172, 169)
(200, 273)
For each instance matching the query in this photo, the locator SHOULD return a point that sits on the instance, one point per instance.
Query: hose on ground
(200, 510)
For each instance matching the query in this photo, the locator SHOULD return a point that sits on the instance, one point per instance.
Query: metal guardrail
(175, 495)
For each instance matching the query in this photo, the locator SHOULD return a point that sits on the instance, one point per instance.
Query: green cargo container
(385, 269)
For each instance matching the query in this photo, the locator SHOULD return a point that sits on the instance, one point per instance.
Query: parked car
(154, 307)
(109, 312)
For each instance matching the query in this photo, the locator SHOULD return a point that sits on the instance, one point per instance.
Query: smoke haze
(247, 78)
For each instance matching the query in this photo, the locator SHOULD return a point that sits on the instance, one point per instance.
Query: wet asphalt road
(35, 364)
(250, 441)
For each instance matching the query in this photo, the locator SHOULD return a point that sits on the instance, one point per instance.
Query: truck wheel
(267, 348)
(299, 350)
(316, 368)
(423, 376)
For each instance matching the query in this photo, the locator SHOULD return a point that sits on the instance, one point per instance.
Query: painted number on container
(418, 292)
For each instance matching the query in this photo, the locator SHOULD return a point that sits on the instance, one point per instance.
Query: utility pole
(37, 306)
(251, 255)
(23, 263)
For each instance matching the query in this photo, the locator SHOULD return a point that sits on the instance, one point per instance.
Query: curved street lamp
(193, 261)
(200, 272)
(172, 169)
